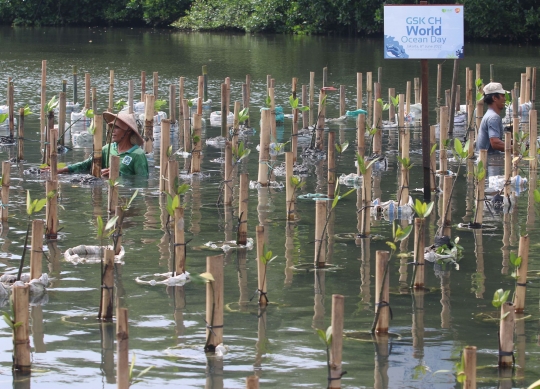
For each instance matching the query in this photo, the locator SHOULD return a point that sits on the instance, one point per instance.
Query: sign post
(424, 32)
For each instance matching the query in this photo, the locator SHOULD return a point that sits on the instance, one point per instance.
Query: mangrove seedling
(268, 102)
(159, 104)
(32, 206)
(119, 105)
(478, 83)
(207, 278)
(265, 259)
(326, 338)
(239, 153)
(407, 165)
(499, 298)
(422, 210)
(479, 173)
(294, 102)
(133, 380)
(384, 106)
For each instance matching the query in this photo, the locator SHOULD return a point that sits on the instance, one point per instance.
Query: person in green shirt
(126, 143)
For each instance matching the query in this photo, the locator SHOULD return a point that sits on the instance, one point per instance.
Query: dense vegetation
(517, 20)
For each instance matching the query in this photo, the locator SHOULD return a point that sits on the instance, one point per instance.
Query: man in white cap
(126, 143)
(490, 133)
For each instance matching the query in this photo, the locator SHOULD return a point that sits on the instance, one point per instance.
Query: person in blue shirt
(490, 133)
(126, 143)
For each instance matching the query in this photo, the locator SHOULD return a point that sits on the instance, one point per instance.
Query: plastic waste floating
(355, 113)
(166, 279)
(215, 118)
(391, 209)
(90, 254)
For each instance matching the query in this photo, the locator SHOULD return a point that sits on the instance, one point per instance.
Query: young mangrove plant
(265, 259)
(326, 338)
(499, 298)
(422, 210)
(479, 174)
(135, 379)
(297, 183)
(407, 165)
(207, 278)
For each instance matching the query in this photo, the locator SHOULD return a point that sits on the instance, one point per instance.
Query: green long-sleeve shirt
(132, 162)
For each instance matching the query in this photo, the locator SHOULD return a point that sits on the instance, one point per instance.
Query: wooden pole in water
(131, 91)
(264, 148)
(325, 77)
(366, 202)
(261, 268)
(331, 174)
(419, 244)
(107, 289)
(453, 97)
(448, 181)
(469, 356)
(179, 241)
(432, 159)
(515, 118)
(118, 234)
(62, 117)
(426, 162)
(416, 90)
(165, 142)
(533, 87)
(87, 91)
(155, 84)
(228, 94)
(224, 109)
(228, 182)
(408, 98)
(236, 123)
(48, 146)
(200, 93)
(361, 136)
(122, 341)
(507, 162)
(342, 106)
(273, 129)
(205, 83)
(196, 152)
(289, 190)
(377, 120)
(305, 114)
(458, 94)
(480, 191)
(392, 108)
(401, 120)
(336, 349)
(382, 291)
(21, 343)
(187, 126)
(42, 118)
(359, 91)
(111, 91)
(533, 134)
(20, 143)
(172, 103)
(252, 382)
(522, 88)
(11, 104)
(447, 98)
(98, 145)
(51, 211)
(506, 335)
(180, 107)
(36, 255)
(172, 175)
(311, 96)
(294, 135)
(143, 85)
(75, 98)
(320, 242)
(243, 209)
(53, 151)
(214, 303)
(443, 136)
(521, 285)
(6, 180)
(114, 173)
(439, 82)
(149, 123)
(93, 93)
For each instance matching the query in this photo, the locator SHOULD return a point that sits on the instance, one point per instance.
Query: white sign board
(423, 31)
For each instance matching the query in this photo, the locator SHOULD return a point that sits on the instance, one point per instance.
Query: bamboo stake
(172, 175)
(417, 90)
(122, 341)
(331, 174)
(360, 136)
(62, 117)
(53, 156)
(453, 97)
(521, 284)
(507, 163)
(187, 126)
(273, 129)
(94, 99)
(447, 211)
(131, 91)
(143, 85)
(325, 76)
(48, 148)
(264, 149)
(87, 90)
(419, 245)
(155, 84)
(457, 102)
(261, 268)
(515, 118)
(439, 82)
(180, 107)
(408, 98)
(319, 140)
(165, 142)
(480, 191)
(111, 91)
(294, 135)
(252, 382)
(522, 88)
(342, 106)
(338, 309)
(149, 123)
(97, 162)
(377, 120)
(75, 98)
(443, 136)
(469, 356)
(236, 123)
(51, 211)
(289, 190)
(391, 109)
(114, 172)
(382, 291)
(224, 110)
(227, 182)
(506, 335)
(432, 159)
(320, 242)
(401, 120)
(107, 289)
(21, 342)
(228, 94)
(118, 234)
(20, 142)
(533, 134)
(6, 181)
(359, 91)
(42, 113)
(179, 241)
(305, 114)
(36, 255)
(311, 96)
(205, 82)
(172, 103)
(196, 152)
(243, 209)
(366, 203)
(11, 108)
(214, 303)
(447, 98)
(533, 87)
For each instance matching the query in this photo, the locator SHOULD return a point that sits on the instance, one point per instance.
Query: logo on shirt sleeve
(127, 160)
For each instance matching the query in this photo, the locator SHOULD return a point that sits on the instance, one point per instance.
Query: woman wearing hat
(490, 133)
(126, 143)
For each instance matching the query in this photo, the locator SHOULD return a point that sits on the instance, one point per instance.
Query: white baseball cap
(493, 87)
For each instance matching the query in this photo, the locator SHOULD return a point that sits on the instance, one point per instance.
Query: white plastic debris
(498, 182)
(90, 254)
(168, 280)
(221, 350)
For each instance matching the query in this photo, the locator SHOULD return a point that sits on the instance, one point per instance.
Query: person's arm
(497, 144)
(79, 167)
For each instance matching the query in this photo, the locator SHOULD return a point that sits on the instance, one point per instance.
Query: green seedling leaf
(170, 209)
(207, 276)
(478, 83)
(500, 297)
(169, 151)
(110, 224)
(479, 96)
(182, 189)
(3, 117)
(458, 147)
(268, 101)
(190, 103)
(536, 196)
(402, 233)
(100, 230)
(394, 100)
(119, 105)
(51, 105)
(329, 335)
(26, 111)
(196, 138)
(392, 245)
(176, 202)
(89, 113)
(8, 320)
(515, 260)
(243, 115)
(51, 194)
(433, 148)
(303, 109)
(322, 336)
(159, 104)
(28, 203)
(293, 102)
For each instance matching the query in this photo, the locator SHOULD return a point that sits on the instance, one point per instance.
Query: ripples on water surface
(71, 349)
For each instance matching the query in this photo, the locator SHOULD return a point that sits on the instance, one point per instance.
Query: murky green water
(167, 327)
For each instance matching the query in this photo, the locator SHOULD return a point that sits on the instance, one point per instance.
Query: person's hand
(58, 171)
(105, 173)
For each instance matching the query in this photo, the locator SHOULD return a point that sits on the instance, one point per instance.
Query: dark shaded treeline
(502, 20)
